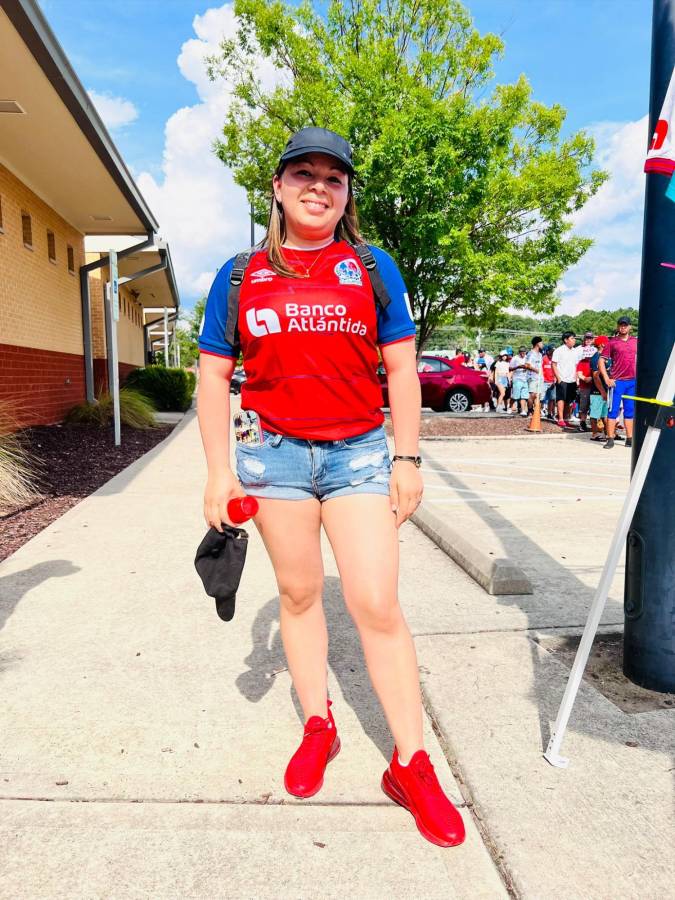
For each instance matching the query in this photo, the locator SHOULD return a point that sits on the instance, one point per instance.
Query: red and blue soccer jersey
(310, 345)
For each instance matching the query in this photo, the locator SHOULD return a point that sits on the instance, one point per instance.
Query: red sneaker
(415, 787)
(320, 744)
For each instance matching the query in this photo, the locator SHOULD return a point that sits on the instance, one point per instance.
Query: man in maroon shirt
(622, 351)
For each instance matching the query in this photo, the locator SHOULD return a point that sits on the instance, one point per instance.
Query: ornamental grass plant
(136, 410)
(17, 471)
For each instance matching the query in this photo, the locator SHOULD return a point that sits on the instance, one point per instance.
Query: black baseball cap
(319, 140)
(220, 561)
(623, 320)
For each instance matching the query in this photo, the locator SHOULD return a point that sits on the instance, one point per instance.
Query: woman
(309, 330)
(501, 377)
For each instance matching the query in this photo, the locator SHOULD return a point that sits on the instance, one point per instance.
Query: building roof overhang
(59, 147)
(149, 274)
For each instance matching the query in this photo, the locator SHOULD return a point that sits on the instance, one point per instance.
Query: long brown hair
(347, 229)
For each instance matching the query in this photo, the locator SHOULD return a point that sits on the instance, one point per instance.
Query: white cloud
(116, 112)
(608, 276)
(203, 214)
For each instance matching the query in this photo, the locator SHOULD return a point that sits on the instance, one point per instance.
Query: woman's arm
(213, 411)
(405, 402)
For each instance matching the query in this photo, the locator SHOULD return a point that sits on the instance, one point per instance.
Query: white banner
(661, 155)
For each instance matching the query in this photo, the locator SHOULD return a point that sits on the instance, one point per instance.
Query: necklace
(308, 271)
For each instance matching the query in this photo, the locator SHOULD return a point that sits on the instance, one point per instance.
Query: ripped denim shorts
(288, 468)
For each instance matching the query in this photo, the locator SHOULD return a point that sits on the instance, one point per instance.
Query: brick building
(62, 180)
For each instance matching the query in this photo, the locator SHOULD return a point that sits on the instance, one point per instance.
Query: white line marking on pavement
(528, 481)
(556, 466)
(484, 498)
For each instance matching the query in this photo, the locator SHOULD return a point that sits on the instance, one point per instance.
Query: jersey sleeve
(395, 323)
(212, 330)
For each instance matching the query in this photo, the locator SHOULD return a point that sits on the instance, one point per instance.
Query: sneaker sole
(394, 794)
(334, 750)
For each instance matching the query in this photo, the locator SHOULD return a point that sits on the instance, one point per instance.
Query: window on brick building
(71, 259)
(51, 246)
(27, 229)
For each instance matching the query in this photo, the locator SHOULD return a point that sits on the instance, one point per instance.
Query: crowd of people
(591, 381)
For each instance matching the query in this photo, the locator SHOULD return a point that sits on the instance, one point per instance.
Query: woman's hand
(405, 489)
(220, 489)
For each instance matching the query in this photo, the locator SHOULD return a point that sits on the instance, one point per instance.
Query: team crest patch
(348, 272)
(262, 275)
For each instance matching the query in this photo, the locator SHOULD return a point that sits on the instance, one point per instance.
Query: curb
(500, 437)
(496, 576)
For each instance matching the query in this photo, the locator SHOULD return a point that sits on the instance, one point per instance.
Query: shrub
(169, 389)
(17, 487)
(136, 410)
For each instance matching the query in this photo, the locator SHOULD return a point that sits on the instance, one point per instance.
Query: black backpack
(239, 270)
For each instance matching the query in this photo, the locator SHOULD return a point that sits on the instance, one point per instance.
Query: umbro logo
(262, 321)
(262, 275)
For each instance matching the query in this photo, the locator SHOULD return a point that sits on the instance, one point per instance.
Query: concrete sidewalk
(605, 827)
(143, 741)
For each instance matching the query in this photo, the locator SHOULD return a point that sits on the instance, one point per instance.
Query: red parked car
(446, 385)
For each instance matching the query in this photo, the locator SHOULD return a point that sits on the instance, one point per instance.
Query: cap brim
(293, 154)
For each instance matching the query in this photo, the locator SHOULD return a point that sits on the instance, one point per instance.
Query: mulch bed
(72, 462)
(605, 672)
(459, 426)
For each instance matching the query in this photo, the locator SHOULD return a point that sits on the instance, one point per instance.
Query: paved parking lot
(548, 503)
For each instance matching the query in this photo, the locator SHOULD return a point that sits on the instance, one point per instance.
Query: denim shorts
(520, 390)
(548, 391)
(288, 468)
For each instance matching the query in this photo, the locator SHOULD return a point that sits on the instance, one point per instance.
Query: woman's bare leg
(364, 538)
(291, 531)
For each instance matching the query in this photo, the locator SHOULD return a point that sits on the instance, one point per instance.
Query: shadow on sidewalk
(563, 584)
(15, 586)
(345, 659)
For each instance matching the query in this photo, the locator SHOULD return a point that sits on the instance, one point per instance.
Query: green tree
(187, 333)
(469, 189)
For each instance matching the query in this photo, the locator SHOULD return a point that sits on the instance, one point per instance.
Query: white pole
(114, 368)
(166, 337)
(665, 394)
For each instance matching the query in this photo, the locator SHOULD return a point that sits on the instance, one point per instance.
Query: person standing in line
(622, 351)
(483, 361)
(548, 387)
(565, 359)
(320, 458)
(584, 380)
(501, 378)
(520, 391)
(598, 400)
(534, 373)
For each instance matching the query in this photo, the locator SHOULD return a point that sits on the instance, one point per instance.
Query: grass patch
(17, 471)
(136, 410)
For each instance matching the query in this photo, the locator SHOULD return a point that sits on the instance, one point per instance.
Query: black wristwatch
(413, 459)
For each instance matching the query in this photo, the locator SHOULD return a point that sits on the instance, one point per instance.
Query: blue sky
(143, 61)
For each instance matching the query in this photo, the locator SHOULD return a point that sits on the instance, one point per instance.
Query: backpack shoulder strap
(241, 263)
(366, 256)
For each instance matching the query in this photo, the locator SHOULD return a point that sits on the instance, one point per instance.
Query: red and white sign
(661, 155)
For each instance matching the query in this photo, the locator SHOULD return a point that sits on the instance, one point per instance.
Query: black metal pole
(252, 226)
(649, 597)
